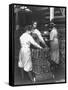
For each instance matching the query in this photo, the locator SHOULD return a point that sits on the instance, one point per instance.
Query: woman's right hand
(41, 47)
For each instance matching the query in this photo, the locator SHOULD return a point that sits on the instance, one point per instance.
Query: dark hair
(52, 23)
(28, 28)
(33, 22)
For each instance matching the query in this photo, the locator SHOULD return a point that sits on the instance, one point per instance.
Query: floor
(59, 77)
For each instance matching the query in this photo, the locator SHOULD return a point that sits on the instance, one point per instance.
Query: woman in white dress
(54, 45)
(25, 53)
(37, 32)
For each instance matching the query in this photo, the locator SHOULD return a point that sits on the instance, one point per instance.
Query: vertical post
(16, 10)
(17, 26)
(51, 13)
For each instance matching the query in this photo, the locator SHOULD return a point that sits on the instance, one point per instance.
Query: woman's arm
(39, 36)
(32, 41)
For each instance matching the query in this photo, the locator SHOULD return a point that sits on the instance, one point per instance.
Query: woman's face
(35, 24)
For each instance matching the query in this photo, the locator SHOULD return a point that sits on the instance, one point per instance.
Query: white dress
(37, 32)
(54, 46)
(25, 53)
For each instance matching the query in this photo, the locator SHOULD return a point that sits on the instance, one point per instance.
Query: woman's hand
(46, 39)
(41, 47)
